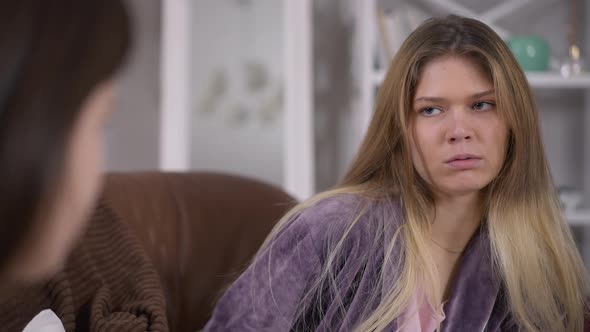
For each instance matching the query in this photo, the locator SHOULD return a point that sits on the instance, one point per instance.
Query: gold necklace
(445, 249)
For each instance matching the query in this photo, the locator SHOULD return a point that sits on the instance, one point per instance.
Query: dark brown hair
(52, 55)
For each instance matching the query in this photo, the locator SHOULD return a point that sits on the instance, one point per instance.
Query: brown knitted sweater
(108, 285)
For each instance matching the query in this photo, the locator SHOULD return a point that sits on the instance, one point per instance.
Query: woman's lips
(464, 161)
(464, 164)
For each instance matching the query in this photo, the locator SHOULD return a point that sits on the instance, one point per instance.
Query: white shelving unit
(371, 78)
(537, 80)
(550, 80)
(580, 217)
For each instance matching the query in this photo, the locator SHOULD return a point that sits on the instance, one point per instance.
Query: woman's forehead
(452, 77)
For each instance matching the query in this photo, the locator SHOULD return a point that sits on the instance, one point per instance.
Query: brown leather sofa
(199, 230)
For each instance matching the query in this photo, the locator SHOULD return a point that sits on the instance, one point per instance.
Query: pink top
(420, 315)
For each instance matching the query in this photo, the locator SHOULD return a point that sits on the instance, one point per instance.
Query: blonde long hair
(532, 248)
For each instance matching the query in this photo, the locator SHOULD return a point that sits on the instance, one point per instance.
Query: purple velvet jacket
(267, 295)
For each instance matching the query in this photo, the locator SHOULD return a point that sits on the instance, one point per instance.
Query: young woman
(56, 68)
(58, 60)
(447, 219)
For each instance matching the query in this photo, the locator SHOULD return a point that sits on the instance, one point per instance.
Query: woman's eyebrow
(431, 99)
(440, 99)
(483, 94)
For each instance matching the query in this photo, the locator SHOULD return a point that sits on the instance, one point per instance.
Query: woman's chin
(463, 190)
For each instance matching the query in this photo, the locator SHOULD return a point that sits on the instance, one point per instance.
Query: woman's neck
(456, 220)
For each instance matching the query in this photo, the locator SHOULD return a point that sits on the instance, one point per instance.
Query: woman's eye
(430, 111)
(483, 106)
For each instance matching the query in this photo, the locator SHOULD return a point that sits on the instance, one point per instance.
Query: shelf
(537, 80)
(578, 218)
(555, 80)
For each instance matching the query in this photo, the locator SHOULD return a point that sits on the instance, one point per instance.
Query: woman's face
(458, 140)
(70, 203)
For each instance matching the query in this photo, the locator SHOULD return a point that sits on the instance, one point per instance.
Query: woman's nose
(459, 129)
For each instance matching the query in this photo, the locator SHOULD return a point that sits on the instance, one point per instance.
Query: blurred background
(282, 90)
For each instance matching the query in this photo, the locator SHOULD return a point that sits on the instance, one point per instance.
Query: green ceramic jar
(531, 52)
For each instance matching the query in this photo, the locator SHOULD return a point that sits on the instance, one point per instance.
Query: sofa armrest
(199, 229)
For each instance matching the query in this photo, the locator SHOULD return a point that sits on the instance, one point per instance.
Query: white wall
(226, 36)
(132, 132)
